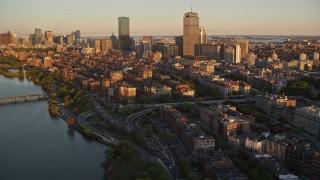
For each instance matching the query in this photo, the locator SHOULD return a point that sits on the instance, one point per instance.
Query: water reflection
(39, 146)
(70, 132)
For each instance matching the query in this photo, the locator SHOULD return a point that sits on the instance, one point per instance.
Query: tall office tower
(203, 35)
(61, 40)
(210, 50)
(316, 56)
(179, 43)
(303, 57)
(38, 36)
(142, 48)
(124, 33)
(77, 34)
(97, 46)
(6, 38)
(190, 33)
(149, 40)
(32, 39)
(115, 42)
(222, 51)
(106, 45)
(244, 45)
(229, 54)
(251, 60)
(49, 38)
(70, 39)
(237, 58)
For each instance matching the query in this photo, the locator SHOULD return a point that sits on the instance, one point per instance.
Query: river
(34, 145)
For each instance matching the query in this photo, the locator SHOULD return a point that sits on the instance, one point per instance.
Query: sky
(161, 17)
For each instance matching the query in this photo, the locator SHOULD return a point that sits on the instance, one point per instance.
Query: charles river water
(35, 146)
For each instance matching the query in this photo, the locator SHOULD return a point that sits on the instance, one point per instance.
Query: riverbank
(9, 74)
(46, 141)
(10, 62)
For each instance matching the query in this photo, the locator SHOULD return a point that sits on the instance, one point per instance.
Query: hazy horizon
(151, 17)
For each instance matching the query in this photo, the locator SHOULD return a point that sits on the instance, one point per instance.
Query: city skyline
(245, 17)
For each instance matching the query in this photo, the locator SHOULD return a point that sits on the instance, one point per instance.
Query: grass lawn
(95, 118)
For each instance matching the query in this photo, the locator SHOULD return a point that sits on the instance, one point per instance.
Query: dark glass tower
(124, 33)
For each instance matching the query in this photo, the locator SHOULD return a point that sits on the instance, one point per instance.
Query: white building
(256, 143)
(238, 54)
(308, 118)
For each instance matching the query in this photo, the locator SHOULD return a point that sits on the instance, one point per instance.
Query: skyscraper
(97, 46)
(223, 51)
(61, 40)
(77, 34)
(148, 39)
(106, 45)
(49, 38)
(115, 42)
(142, 48)
(244, 45)
(251, 60)
(229, 55)
(203, 35)
(237, 58)
(38, 36)
(70, 39)
(179, 43)
(190, 33)
(124, 33)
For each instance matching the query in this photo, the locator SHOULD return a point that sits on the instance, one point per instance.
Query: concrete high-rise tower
(190, 33)
(179, 43)
(124, 33)
(38, 36)
(203, 35)
(77, 34)
(97, 46)
(106, 45)
(149, 40)
(237, 58)
(244, 45)
(115, 42)
(49, 38)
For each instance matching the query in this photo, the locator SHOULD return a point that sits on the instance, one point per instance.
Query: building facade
(308, 118)
(124, 33)
(244, 46)
(190, 33)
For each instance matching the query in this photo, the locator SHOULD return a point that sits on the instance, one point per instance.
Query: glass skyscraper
(124, 33)
(38, 36)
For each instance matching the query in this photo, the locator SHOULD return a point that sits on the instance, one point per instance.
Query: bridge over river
(18, 99)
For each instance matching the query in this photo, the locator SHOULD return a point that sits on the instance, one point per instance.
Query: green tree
(127, 110)
(88, 131)
(154, 114)
(143, 100)
(185, 107)
(148, 130)
(184, 166)
(137, 136)
(192, 176)
(63, 91)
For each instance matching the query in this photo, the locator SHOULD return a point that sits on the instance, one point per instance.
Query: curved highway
(161, 150)
(82, 120)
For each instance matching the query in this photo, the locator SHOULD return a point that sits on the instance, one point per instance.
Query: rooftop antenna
(191, 5)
